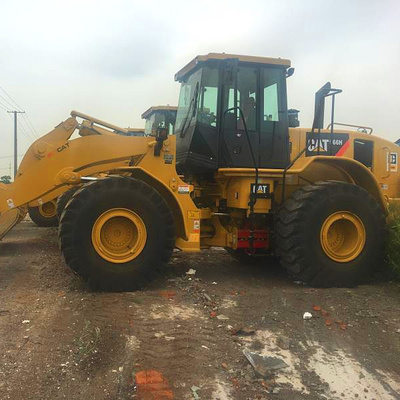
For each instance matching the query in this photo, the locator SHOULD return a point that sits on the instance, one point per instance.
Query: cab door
(256, 100)
(239, 110)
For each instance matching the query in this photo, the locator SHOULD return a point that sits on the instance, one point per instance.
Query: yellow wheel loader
(49, 213)
(238, 173)
(160, 117)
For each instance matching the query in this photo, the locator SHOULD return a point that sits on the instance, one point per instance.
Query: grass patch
(392, 250)
(88, 341)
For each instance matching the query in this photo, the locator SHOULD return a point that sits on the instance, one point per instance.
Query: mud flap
(9, 219)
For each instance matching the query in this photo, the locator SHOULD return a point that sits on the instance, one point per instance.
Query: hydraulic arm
(55, 161)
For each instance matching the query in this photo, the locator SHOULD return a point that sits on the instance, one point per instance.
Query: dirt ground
(183, 336)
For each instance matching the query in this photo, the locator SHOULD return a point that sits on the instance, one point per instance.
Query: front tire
(44, 215)
(331, 234)
(117, 233)
(64, 199)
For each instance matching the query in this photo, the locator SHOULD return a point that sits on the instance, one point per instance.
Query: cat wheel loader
(48, 213)
(238, 173)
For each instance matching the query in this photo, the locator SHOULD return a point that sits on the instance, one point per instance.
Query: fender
(341, 169)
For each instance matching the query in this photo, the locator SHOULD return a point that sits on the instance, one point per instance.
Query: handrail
(354, 126)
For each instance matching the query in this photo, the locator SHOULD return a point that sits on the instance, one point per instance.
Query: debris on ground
(307, 315)
(194, 390)
(191, 271)
(207, 297)
(222, 317)
(168, 294)
(283, 342)
(243, 331)
(152, 384)
(264, 365)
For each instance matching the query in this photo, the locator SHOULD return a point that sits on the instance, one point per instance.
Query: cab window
(207, 107)
(272, 109)
(187, 100)
(245, 98)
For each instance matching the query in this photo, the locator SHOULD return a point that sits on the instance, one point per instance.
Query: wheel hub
(48, 209)
(119, 235)
(343, 236)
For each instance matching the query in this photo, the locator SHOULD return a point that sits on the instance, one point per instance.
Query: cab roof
(223, 56)
(153, 109)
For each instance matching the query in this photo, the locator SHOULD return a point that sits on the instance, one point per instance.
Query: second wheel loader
(48, 213)
(238, 174)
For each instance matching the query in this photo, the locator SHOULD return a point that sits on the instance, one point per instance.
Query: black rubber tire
(246, 259)
(87, 204)
(64, 199)
(298, 224)
(41, 220)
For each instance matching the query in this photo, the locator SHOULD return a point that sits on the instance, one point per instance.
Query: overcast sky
(114, 59)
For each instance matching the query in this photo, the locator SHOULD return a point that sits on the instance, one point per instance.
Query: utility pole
(15, 140)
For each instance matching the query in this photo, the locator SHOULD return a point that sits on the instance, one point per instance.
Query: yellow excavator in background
(48, 213)
(238, 173)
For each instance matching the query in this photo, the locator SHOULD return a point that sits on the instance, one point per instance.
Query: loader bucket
(9, 219)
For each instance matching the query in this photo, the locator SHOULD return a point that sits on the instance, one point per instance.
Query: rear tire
(64, 199)
(44, 215)
(94, 262)
(331, 234)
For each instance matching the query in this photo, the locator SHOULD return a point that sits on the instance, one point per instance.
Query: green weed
(392, 250)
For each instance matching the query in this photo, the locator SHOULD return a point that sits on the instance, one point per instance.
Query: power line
(7, 102)
(28, 135)
(19, 108)
(4, 108)
(24, 132)
(26, 116)
(16, 104)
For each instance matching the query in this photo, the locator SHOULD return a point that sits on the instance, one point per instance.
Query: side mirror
(161, 135)
(289, 72)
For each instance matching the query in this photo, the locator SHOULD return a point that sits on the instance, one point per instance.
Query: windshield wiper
(187, 121)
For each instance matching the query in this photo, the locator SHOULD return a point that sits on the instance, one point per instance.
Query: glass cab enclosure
(222, 99)
(160, 119)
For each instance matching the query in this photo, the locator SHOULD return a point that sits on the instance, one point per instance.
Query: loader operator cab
(230, 107)
(159, 117)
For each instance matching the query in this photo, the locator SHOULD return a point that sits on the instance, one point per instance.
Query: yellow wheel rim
(119, 235)
(48, 210)
(343, 236)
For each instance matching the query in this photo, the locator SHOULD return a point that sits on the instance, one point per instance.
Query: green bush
(393, 240)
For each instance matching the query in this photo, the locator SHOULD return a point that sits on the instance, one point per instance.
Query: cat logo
(262, 191)
(327, 144)
(63, 147)
(318, 145)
